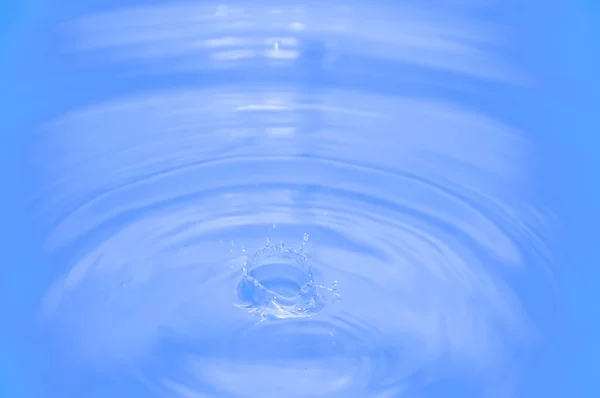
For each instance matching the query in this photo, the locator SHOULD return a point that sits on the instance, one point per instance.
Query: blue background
(561, 46)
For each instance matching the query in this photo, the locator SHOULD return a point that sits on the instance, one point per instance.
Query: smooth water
(273, 200)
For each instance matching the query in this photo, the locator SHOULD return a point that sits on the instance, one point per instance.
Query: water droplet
(335, 291)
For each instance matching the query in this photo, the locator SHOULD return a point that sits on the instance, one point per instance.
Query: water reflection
(160, 205)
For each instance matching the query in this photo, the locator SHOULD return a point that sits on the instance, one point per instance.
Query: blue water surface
(266, 199)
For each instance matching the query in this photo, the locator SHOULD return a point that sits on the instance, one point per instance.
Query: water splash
(278, 283)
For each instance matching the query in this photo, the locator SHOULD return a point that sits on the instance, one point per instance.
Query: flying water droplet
(335, 290)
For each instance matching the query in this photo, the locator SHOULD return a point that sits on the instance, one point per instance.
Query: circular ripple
(158, 207)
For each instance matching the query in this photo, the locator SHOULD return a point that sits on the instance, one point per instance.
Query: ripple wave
(182, 219)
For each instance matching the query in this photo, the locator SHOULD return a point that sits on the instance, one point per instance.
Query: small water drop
(336, 291)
